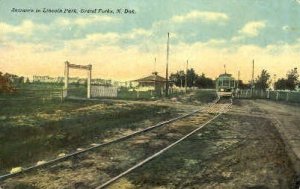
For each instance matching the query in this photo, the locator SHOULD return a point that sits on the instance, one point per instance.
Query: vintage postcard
(161, 94)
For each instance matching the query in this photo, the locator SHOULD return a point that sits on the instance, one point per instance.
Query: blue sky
(209, 32)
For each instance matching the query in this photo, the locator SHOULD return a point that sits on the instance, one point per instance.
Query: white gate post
(89, 81)
(65, 91)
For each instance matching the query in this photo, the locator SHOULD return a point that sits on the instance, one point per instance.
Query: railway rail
(208, 108)
(219, 110)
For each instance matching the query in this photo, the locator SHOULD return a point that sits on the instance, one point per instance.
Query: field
(240, 149)
(36, 129)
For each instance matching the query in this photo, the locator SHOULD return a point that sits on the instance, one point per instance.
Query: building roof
(151, 78)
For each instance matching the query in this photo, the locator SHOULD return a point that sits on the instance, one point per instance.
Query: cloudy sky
(210, 33)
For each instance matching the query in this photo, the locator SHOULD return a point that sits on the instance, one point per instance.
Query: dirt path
(242, 149)
(287, 121)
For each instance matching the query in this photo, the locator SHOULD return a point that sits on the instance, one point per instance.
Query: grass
(28, 137)
(35, 129)
(204, 95)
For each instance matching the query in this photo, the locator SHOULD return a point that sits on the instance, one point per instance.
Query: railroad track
(217, 109)
(210, 108)
(205, 115)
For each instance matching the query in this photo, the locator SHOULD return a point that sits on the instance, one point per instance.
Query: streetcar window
(220, 83)
(232, 83)
(225, 82)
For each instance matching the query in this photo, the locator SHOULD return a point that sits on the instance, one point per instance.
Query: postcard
(156, 94)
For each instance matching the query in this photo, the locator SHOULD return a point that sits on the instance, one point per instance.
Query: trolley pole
(167, 68)
(186, 72)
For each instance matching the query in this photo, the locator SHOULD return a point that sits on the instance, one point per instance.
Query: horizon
(123, 47)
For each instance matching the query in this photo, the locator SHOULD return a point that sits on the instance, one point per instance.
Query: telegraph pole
(154, 65)
(167, 68)
(187, 65)
(238, 83)
(252, 80)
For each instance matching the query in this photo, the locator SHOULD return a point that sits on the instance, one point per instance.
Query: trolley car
(225, 85)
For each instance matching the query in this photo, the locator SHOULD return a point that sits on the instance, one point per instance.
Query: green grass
(204, 95)
(30, 138)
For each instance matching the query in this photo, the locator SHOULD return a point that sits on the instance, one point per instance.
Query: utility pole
(238, 82)
(252, 80)
(274, 82)
(154, 65)
(167, 68)
(187, 65)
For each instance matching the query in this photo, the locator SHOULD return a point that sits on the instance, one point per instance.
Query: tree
(280, 84)
(5, 84)
(204, 82)
(263, 80)
(191, 77)
(178, 78)
(27, 80)
(243, 85)
(292, 79)
(290, 82)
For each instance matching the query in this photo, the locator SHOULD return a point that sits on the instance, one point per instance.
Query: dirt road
(287, 121)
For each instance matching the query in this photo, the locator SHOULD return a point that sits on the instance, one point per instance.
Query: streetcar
(225, 85)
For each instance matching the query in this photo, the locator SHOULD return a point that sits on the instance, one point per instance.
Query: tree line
(8, 82)
(263, 81)
(197, 80)
(290, 82)
(193, 79)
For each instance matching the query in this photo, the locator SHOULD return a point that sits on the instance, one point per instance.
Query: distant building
(101, 82)
(78, 80)
(153, 82)
(98, 81)
(47, 79)
(121, 84)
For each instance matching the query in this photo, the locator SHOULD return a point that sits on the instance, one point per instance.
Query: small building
(153, 82)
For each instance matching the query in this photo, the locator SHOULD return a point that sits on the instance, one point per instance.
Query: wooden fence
(289, 96)
(34, 94)
(103, 91)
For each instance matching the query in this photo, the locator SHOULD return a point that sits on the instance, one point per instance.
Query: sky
(208, 33)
